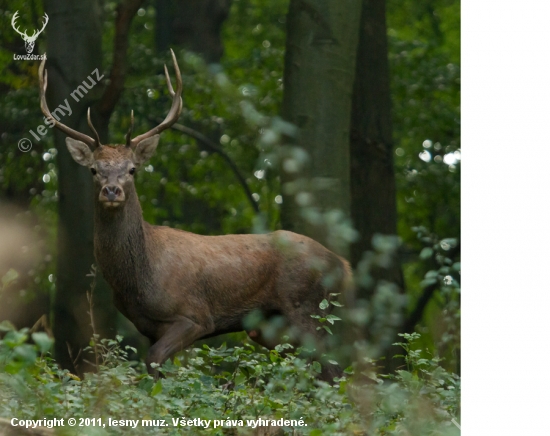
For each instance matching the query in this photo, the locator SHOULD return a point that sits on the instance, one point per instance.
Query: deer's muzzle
(111, 195)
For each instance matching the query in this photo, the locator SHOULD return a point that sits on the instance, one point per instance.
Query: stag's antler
(170, 119)
(173, 114)
(43, 79)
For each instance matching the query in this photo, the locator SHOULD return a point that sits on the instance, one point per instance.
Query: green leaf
(349, 370)
(448, 243)
(43, 341)
(406, 376)
(431, 274)
(332, 318)
(9, 277)
(335, 303)
(426, 253)
(26, 352)
(323, 304)
(6, 326)
(14, 338)
(157, 388)
(327, 328)
(146, 383)
(317, 367)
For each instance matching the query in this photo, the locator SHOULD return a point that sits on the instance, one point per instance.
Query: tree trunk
(373, 189)
(318, 80)
(195, 24)
(74, 52)
(373, 207)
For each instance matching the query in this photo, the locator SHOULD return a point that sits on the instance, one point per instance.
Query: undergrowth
(235, 386)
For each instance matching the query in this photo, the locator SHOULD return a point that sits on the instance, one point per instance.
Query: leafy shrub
(238, 383)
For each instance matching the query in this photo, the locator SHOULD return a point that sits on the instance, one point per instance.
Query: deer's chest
(140, 300)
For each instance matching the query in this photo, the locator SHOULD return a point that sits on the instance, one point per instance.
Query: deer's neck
(121, 245)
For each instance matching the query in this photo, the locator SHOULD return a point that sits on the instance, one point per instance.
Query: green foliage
(330, 318)
(236, 383)
(421, 395)
(424, 55)
(424, 58)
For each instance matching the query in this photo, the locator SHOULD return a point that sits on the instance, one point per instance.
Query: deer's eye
(93, 170)
(132, 171)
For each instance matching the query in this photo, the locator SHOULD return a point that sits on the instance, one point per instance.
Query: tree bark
(318, 80)
(125, 13)
(74, 52)
(373, 191)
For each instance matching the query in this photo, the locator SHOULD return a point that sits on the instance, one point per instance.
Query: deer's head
(113, 166)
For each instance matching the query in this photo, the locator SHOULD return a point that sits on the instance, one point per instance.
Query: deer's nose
(111, 192)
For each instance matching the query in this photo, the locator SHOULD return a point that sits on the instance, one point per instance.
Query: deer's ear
(145, 149)
(80, 152)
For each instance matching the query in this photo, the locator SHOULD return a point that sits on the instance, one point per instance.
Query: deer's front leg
(178, 336)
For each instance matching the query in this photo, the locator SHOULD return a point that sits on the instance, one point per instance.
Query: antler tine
(175, 109)
(43, 81)
(168, 81)
(92, 128)
(129, 133)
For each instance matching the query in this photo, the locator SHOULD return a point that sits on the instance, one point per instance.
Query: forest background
(230, 165)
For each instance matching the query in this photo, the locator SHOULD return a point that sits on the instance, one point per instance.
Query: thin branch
(125, 14)
(416, 315)
(90, 296)
(213, 147)
(73, 360)
(42, 323)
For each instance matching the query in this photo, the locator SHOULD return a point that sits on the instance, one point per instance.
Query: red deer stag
(178, 287)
